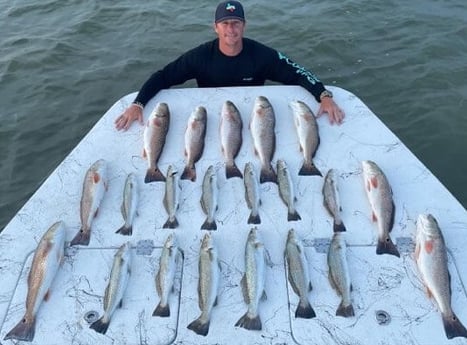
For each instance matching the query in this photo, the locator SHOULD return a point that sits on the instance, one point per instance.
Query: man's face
(230, 31)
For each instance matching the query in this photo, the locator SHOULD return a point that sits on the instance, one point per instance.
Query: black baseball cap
(229, 10)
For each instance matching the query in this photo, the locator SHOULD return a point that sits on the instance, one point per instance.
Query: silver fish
(262, 124)
(252, 193)
(209, 199)
(208, 284)
(45, 264)
(286, 190)
(171, 198)
(298, 275)
(129, 206)
(308, 136)
(253, 281)
(166, 275)
(432, 261)
(379, 194)
(94, 187)
(331, 199)
(230, 130)
(119, 277)
(339, 275)
(155, 134)
(195, 134)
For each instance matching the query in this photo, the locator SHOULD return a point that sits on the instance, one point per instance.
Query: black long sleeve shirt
(255, 64)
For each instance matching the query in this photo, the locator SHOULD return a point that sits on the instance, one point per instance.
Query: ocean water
(64, 63)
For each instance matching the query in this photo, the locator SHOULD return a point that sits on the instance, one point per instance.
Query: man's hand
(133, 113)
(336, 115)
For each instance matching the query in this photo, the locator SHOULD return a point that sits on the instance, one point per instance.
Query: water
(64, 63)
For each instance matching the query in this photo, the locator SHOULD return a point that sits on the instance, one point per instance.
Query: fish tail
(209, 225)
(82, 237)
(254, 219)
(100, 325)
(199, 326)
(309, 169)
(293, 215)
(305, 310)
(453, 327)
(251, 322)
(162, 310)
(339, 227)
(125, 230)
(154, 175)
(232, 170)
(189, 173)
(267, 174)
(386, 246)
(24, 330)
(171, 223)
(345, 310)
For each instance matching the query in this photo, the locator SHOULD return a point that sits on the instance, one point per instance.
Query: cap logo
(230, 7)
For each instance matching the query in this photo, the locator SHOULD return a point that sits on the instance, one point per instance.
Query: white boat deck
(389, 299)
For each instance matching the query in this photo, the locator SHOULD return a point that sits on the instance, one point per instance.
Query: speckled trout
(286, 190)
(331, 199)
(171, 197)
(129, 206)
(209, 197)
(252, 192)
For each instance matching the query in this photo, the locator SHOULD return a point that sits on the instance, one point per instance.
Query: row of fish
(262, 128)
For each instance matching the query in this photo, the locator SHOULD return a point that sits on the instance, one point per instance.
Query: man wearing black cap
(230, 60)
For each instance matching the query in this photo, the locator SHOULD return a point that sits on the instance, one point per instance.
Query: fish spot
(429, 246)
(96, 178)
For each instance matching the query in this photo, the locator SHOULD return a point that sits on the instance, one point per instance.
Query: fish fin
(215, 302)
(209, 225)
(154, 175)
(96, 213)
(100, 325)
(189, 173)
(373, 217)
(24, 330)
(249, 322)
(267, 174)
(199, 326)
(47, 295)
(345, 310)
(291, 216)
(82, 238)
(393, 215)
(162, 310)
(453, 327)
(386, 246)
(309, 169)
(125, 230)
(232, 171)
(374, 182)
(310, 287)
(121, 303)
(171, 223)
(339, 227)
(96, 177)
(264, 296)
(254, 219)
(305, 310)
(429, 293)
(144, 154)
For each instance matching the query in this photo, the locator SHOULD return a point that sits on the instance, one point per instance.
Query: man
(230, 60)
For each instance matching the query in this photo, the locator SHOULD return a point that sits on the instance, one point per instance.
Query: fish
(286, 190)
(166, 275)
(331, 199)
(209, 199)
(253, 281)
(230, 130)
(46, 262)
(129, 204)
(379, 194)
(339, 275)
(195, 134)
(208, 285)
(432, 262)
(115, 290)
(262, 124)
(298, 274)
(94, 187)
(308, 136)
(252, 192)
(171, 198)
(155, 134)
